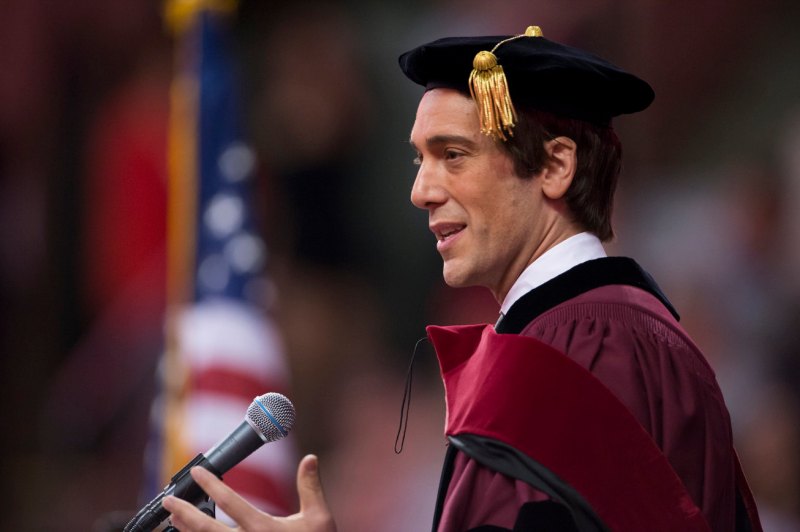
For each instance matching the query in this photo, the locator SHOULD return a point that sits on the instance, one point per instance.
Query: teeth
(444, 234)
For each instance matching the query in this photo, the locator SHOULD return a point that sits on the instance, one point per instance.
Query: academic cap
(537, 72)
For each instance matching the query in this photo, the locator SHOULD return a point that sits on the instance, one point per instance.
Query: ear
(559, 169)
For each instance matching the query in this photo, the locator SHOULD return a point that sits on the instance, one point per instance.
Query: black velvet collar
(572, 283)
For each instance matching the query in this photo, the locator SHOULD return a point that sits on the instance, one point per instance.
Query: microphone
(269, 417)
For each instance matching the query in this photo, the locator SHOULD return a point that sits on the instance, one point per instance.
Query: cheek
(512, 216)
(494, 225)
(504, 206)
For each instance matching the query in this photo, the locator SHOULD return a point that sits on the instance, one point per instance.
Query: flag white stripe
(226, 334)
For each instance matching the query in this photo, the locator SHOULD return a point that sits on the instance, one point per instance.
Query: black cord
(405, 406)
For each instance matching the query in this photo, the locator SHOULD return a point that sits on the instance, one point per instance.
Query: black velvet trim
(541, 516)
(743, 522)
(544, 516)
(509, 461)
(444, 482)
(572, 283)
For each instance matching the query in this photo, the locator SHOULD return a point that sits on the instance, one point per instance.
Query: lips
(445, 231)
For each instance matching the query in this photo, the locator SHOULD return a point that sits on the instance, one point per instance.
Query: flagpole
(182, 169)
(181, 18)
(221, 348)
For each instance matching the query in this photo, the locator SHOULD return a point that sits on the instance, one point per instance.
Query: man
(587, 407)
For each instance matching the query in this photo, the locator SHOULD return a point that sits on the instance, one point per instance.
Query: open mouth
(444, 232)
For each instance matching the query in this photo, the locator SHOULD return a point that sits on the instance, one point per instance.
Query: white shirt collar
(552, 263)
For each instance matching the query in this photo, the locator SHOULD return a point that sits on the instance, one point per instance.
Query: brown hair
(590, 197)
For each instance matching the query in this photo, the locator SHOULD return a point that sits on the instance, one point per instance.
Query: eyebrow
(438, 140)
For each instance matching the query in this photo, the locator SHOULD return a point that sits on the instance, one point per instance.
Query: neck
(551, 239)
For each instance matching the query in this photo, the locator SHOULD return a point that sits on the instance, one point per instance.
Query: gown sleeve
(643, 356)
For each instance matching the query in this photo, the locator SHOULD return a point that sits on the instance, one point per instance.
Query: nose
(427, 192)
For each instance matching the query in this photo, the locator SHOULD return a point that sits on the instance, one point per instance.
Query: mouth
(444, 232)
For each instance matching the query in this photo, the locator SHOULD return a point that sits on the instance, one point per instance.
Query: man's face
(486, 219)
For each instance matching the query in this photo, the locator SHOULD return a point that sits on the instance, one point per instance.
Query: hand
(313, 516)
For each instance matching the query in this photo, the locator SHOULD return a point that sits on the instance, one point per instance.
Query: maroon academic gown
(629, 431)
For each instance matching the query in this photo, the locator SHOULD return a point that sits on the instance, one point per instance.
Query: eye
(452, 155)
(417, 160)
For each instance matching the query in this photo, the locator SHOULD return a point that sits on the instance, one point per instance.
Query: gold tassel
(489, 88)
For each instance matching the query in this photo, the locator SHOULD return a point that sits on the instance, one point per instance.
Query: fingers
(237, 508)
(186, 518)
(314, 514)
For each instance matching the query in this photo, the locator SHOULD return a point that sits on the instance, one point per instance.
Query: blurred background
(707, 203)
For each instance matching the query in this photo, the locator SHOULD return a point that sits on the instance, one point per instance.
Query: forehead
(446, 112)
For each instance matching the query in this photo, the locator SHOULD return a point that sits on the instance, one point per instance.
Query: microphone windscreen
(272, 415)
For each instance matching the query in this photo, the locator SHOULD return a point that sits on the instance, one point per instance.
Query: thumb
(309, 486)
(313, 507)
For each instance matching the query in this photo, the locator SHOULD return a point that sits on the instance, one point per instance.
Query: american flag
(222, 348)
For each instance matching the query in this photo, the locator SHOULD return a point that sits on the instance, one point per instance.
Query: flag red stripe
(247, 481)
(228, 382)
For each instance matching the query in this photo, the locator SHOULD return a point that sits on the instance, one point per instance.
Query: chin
(450, 277)
(456, 278)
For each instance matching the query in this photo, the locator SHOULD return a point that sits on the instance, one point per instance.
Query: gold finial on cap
(489, 88)
(533, 31)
